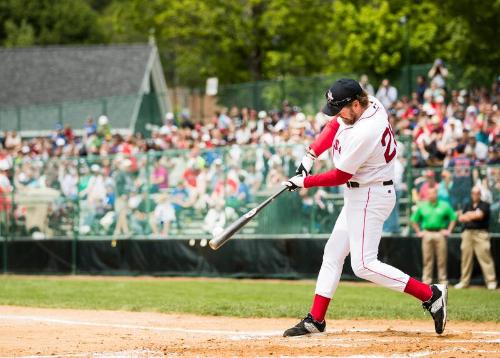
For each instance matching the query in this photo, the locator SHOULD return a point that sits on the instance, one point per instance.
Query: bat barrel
(232, 229)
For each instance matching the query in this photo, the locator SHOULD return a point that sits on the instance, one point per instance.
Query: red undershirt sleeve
(325, 138)
(333, 177)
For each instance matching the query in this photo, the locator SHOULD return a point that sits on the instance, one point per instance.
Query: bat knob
(213, 244)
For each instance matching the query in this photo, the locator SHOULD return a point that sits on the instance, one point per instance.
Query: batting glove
(294, 183)
(306, 164)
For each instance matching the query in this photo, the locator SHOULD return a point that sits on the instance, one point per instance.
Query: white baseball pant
(358, 230)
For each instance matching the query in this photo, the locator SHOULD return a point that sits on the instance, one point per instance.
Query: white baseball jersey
(367, 149)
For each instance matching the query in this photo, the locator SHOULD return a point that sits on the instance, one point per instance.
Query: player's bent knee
(358, 269)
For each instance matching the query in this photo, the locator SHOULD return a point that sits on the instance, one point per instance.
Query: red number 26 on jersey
(386, 142)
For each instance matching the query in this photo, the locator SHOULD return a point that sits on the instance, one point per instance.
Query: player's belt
(353, 184)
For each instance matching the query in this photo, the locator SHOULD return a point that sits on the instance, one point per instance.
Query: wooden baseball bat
(232, 229)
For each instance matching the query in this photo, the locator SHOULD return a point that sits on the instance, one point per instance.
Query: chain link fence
(186, 194)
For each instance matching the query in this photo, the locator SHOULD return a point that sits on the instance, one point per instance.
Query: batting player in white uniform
(364, 152)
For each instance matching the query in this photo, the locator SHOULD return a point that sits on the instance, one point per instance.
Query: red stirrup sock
(418, 289)
(319, 307)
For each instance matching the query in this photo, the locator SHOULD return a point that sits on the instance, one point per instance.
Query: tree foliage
(243, 40)
(47, 22)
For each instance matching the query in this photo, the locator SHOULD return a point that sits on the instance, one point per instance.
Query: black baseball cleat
(306, 326)
(437, 306)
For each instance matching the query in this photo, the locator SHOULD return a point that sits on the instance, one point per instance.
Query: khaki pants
(121, 207)
(478, 242)
(434, 243)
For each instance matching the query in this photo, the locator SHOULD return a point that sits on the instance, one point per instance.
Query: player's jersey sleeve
(356, 151)
(325, 139)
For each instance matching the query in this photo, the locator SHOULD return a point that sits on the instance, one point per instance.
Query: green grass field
(241, 298)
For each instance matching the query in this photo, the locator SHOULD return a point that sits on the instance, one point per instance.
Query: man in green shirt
(433, 221)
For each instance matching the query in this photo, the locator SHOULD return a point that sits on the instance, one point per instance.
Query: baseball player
(364, 152)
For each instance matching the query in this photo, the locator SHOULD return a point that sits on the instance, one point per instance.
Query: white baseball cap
(103, 120)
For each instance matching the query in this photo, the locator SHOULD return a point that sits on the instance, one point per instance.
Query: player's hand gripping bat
(221, 238)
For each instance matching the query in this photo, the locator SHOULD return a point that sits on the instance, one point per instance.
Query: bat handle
(272, 197)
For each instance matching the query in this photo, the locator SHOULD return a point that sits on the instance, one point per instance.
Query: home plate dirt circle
(27, 332)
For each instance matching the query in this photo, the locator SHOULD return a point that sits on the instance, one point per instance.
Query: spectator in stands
(476, 240)
(223, 120)
(95, 195)
(452, 133)
(6, 160)
(387, 94)
(2, 139)
(123, 186)
(179, 198)
(89, 127)
(12, 141)
(429, 184)
(159, 176)
(68, 180)
(163, 216)
(216, 216)
(365, 85)
(461, 166)
(433, 222)
(104, 129)
(421, 87)
(476, 149)
(5, 195)
(434, 98)
(444, 187)
(438, 74)
(142, 214)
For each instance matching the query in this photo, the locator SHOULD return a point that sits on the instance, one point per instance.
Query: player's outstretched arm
(325, 138)
(333, 177)
(322, 143)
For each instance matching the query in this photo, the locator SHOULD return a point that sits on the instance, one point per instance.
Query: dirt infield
(79, 333)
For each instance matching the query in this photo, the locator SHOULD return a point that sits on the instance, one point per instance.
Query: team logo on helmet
(329, 96)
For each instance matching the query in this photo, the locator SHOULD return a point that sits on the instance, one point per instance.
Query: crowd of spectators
(126, 184)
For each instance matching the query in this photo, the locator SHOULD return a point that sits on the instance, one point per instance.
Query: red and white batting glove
(306, 164)
(294, 183)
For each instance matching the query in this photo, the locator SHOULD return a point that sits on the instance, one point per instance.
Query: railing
(186, 194)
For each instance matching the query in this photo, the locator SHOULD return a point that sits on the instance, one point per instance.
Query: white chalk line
(152, 354)
(120, 354)
(383, 340)
(235, 334)
(132, 326)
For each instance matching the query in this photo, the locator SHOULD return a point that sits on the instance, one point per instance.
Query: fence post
(60, 112)
(409, 180)
(9, 216)
(4, 253)
(255, 94)
(5, 240)
(148, 181)
(18, 115)
(104, 106)
(283, 89)
(76, 223)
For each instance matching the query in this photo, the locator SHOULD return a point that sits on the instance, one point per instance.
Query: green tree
(472, 31)
(46, 22)
(18, 35)
(370, 37)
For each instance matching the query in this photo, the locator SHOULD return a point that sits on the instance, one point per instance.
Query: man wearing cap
(364, 153)
(433, 221)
